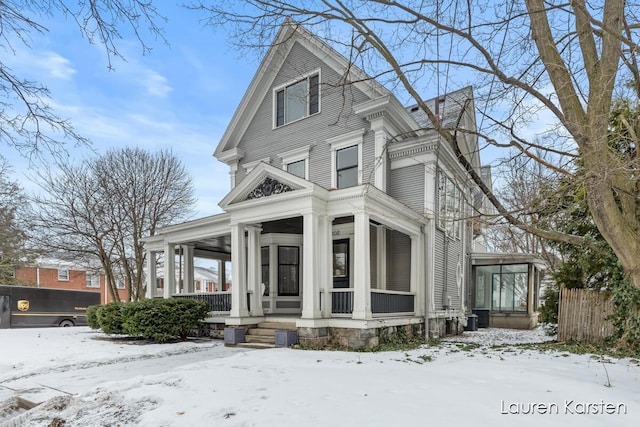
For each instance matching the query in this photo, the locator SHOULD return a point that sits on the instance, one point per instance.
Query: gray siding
(398, 261)
(447, 254)
(336, 117)
(407, 186)
(438, 268)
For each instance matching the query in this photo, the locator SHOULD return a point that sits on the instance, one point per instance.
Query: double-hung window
(264, 258)
(449, 206)
(298, 168)
(347, 166)
(63, 275)
(93, 281)
(298, 100)
(346, 159)
(288, 270)
(296, 161)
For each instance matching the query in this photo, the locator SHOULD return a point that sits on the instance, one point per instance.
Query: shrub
(92, 316)
(549, 309)
(164, 320)
(110, 317)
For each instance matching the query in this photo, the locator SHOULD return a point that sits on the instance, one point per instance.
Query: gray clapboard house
(347, 216)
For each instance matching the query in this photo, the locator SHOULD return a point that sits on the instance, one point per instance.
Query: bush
(161, 320)
(626, 316)
(92, 316)
(110, 318)
(164, 320)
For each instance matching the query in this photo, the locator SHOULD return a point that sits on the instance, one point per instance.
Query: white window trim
(347, 140)
(456, 228)
(297, 155)
(278, 88)
(63, 279)
(248, 167)
(90, 280)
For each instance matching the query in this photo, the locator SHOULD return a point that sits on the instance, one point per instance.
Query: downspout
(37, 275)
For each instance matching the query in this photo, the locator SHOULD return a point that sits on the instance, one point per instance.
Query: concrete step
(288, 326)
(261, 331)
(260, 339)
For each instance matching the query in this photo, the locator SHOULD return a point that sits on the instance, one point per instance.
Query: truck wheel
(66, 323)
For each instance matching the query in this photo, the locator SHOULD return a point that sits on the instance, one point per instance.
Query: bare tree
(100, 209)
(27, 121)
(526, 188)
(567, 61)
(12, 229)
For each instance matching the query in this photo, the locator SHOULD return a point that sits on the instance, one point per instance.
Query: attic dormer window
(297, 100)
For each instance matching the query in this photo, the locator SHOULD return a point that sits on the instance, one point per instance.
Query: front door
(341, 263)
(5, 311)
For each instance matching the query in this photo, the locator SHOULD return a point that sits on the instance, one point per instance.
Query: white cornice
(389, 109)
(230, 156)
(352, 137)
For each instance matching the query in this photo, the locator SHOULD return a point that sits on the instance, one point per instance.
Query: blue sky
(180, 97)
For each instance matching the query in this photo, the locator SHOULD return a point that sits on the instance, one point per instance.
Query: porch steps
(265, 333)
(281, 326)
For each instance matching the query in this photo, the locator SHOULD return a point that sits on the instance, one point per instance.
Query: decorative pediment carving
(268, 187)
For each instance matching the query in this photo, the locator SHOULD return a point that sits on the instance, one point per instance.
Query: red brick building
(60, 274)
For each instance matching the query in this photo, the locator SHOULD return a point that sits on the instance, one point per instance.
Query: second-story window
(297, 100)
(449, 206)
(93, 281)
(347, 166)
(297, 168)
(63, 274)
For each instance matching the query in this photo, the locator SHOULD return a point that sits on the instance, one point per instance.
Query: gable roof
(290, 33)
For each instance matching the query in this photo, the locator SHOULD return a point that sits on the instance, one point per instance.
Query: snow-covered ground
(80, 379)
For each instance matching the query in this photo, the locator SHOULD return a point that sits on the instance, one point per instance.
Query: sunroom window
(298, 100)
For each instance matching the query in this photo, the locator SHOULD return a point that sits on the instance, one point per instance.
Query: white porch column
(311, 270)
(169, 269)
(381, 162)
(325, 263)
(152, 281)
(254, 270)
(417, 272)
(188, 283)
(222, 275)
(238, 272)
(361, 267)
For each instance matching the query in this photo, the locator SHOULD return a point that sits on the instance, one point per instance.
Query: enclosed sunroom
(506, 290)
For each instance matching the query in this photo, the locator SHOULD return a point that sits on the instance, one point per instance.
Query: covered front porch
(349, 258)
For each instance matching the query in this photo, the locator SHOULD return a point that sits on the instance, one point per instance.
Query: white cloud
(49, 63)
(154, 83)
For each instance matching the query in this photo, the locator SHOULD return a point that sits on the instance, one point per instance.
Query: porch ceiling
(213, 244)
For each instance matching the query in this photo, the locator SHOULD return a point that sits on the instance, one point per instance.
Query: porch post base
(240, 321)
(361, 315)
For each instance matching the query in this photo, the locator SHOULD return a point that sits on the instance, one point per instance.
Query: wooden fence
(582, 315)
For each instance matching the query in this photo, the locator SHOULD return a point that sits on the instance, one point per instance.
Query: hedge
(160, 320)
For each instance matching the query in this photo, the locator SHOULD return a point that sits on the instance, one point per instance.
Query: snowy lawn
(84, 381)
